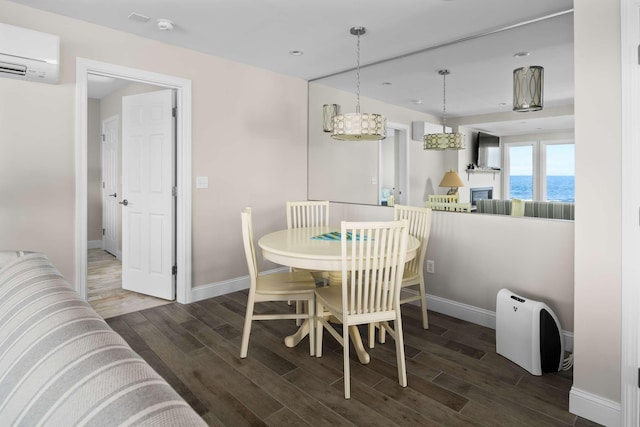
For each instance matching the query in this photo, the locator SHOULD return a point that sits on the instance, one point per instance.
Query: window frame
(539, 164)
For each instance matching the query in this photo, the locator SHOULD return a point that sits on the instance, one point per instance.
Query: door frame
(116, 119)
(630, 301)
(182, 87)
(401, 161)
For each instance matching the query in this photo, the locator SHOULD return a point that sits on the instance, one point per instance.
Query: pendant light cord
(444, 100)
(358, 76)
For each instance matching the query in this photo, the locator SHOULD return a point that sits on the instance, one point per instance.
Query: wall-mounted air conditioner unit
(29, 55)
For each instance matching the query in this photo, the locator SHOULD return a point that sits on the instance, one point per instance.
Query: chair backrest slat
(307, 214)
(372, 265)
(420, 228)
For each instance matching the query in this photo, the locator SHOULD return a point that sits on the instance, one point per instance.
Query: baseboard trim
(477, 315)
(97, 244)
(216, 289)
(211, 290)
(594, 408)
(459, 310)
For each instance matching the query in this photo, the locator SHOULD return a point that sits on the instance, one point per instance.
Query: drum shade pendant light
(527, 88)
(358, 126)
(328, 113)
(444, 140)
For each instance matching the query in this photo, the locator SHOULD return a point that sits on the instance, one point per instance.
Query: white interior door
(110, 207)
(148, 208)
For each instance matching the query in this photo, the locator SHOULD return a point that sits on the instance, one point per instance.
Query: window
(559, 172)
(539, 170)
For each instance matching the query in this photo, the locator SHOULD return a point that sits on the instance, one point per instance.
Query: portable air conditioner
(528, 333)
(29, 55)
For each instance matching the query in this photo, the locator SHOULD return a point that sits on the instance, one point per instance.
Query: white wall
(247, 122)
(598, 230)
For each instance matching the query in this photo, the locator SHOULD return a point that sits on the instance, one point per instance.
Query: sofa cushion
(556, 210)
(62, 365)
(494, 206)
(537, 209)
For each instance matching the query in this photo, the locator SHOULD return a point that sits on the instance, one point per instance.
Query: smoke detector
(165, 24)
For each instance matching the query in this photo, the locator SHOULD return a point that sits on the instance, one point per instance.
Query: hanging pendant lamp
(527, 88)
(444, 140)
(358, 126)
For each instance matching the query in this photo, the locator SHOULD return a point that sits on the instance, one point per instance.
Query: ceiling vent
(29, 55)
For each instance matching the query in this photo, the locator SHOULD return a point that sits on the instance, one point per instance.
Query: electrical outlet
(431, 266)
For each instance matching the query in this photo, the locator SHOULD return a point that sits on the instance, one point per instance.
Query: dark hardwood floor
(455, 377)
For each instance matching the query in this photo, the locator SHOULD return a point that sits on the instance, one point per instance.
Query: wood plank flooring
(105, 293)
(455, 377)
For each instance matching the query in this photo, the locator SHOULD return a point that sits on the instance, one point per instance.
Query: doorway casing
(182, 87)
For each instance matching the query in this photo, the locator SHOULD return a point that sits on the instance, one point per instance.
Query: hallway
(105, 293)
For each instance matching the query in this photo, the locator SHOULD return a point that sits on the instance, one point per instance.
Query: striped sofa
(537, 209)
(61, 364)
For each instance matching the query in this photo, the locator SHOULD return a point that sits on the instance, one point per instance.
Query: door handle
(113, 195)
(124, 202)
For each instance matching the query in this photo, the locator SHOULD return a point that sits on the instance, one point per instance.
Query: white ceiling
(263, 32)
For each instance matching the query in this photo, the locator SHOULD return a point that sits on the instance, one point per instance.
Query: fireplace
(480, 193)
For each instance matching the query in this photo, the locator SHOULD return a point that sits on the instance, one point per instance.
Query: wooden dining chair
(372, 267)
(290, 286)
(307, 214)
(420, 228)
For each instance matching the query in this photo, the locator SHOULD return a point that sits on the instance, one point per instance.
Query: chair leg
(423, 304)
(312, 325)
(345, 352)
(319, 328)
(372, 334)
(399, 338)
(383, 335)
(246, 331)
(299, 309)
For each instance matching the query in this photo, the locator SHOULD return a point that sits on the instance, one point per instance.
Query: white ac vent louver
(29, 55)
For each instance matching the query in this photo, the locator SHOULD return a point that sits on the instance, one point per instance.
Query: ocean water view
(559, 188)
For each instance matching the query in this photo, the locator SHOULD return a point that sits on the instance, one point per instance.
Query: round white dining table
(296, 247)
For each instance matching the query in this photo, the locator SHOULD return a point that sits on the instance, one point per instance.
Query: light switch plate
(202, 182)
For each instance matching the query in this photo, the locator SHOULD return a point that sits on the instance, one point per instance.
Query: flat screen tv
(487, 155)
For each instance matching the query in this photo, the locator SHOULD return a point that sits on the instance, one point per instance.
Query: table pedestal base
(303, 331)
